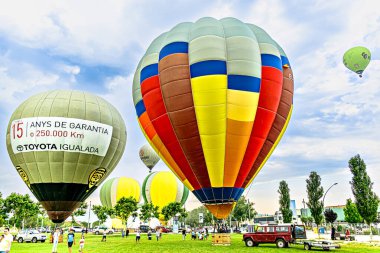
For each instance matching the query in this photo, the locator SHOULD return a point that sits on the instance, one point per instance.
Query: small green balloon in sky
(357, 59)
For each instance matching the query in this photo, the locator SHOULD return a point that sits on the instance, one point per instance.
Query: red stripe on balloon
(270, 93)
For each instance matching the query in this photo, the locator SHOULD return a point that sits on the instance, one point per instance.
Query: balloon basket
(221, 239)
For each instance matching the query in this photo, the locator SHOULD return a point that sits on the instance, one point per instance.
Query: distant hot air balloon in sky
(116, 188)
(213, 98)
(357, 59)
(162, 188)
(148, 156)
(64, 144)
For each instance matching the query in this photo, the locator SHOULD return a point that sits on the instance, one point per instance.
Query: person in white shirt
(8, 239)
(137, 236)
(81, 244)
(55, 240)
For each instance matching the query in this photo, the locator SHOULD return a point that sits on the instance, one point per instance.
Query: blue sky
(96, 45)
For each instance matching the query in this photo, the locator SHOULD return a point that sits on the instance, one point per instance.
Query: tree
(315, 193)
(351, 213)
(80, 211)
(365, 199)
(24, 210)
(148, 211)
(193, 216)
(3, 214)
(284, 202)
(125, 207)
(101, 212)
(243, 210)
(172, 209)
(330, 215)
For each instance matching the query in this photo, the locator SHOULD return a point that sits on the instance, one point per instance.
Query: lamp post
(323, 200)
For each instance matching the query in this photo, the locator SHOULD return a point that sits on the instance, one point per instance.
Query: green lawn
(169, 243)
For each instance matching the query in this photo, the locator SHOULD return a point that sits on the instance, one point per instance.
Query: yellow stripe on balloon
(166, 157)
(132, 190)
(242, 105)
(209, 95)
(274, 145)
(161, 194)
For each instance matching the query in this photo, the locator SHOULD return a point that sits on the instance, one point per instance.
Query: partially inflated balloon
(116, 188)
(64, 144)
(357, 59)
(162, 188)
(148, 156)
(214, 98)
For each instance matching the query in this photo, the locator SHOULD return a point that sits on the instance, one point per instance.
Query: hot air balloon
(116, 188)
(214, 98)
(148, 156)
(64, 144)
(357, 59)
(161, 188)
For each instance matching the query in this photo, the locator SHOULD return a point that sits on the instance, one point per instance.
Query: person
(158, 234)
(184, 234)
(127, 233)
(333, 233)
(206, 233)
(293, 231)
(8, 237)
(150, 235)
(3, 244)
(81, 244)
(104, 238)
(70, 240)
(55, 240)
(347, 234)
(137, 236)
(193, 236)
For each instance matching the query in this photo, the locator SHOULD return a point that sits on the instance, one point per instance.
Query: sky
(95, 46)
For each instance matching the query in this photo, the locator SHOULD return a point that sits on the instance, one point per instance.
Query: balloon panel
(64, 144)
(213, 98)
(116, 188)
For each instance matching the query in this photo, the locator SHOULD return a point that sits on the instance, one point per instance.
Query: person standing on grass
(138, 236)
(183, 234)
(70, 240)
(104, 238)
(3, 244)
(81, 244)
(158, 234)
(55, 240)
(8, 237)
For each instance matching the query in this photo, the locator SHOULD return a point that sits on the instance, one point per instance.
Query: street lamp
(323, 200)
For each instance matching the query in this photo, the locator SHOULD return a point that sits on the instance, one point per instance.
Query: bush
(340, 228)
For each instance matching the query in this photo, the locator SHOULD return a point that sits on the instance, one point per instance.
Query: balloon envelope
(64, 144)
(161, 188)
(148, 156)
(213, 98)
(116, 188)
(357, 59)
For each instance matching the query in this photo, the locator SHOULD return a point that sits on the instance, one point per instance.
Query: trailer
(325, 245)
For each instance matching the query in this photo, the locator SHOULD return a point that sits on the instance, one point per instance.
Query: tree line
(362, 209)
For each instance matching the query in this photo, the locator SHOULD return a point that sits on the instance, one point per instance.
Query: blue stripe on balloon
(218, 194)
(270, 60)
(148, 71)
(140, 108)
(204, 68)
(285, 61)
(244, 83)
(174, 48)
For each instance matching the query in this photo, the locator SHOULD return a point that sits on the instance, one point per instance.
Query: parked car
(281, 235)
(99, 230)
(30, 236)
(145, 228)
(164, 229)
(76, 229)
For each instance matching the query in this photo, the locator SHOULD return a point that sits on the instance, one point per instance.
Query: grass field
(169, 243)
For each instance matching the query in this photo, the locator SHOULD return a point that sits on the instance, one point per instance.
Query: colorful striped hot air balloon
(116, 188)
(162, 188)
(214, 98)
(64, 144)
(148, 156)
